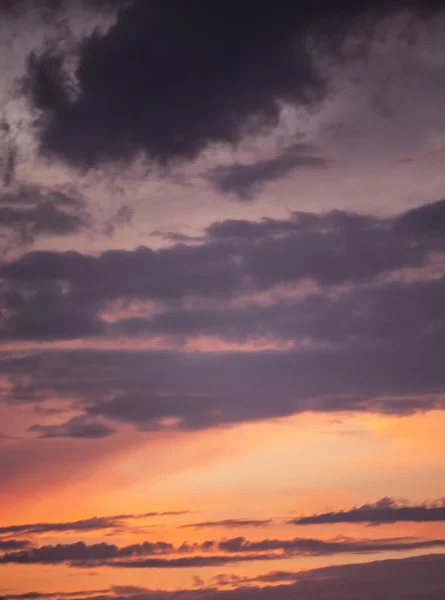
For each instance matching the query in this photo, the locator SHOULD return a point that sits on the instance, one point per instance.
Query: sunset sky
(222, 300)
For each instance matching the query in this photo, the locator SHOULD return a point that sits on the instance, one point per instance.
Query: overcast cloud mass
(222, 299)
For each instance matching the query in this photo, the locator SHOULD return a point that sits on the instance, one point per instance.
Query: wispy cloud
(244, 180)
(385, 510)
(93, 524)
(228, 523)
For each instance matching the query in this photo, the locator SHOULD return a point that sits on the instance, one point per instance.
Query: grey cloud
(278, 576)
(45, 315)
(122, 217)
(93, 524)
(428, 220)
(77, 427)
(224, 580)
(229, 523)
(50, 295)
(211, 389)
(119, 591)
(79, 594)
(10, 544)
(79, 551)
(409, 578)
(314, 547)
(129, 107)
(378, 343)
(244, 180)
(8, 154)
(137, 93)
(330, 248)
(178, 563)
(373, 313)
(29, 212)
(385, 510)
(162, 554)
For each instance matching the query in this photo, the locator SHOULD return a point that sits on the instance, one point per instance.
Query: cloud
(418, 577)
(229, 523)
(165, 555)
(366, 313)
(278, 576)
(212, 388)
(48, 314)
(61, 295)
(244, 180)
(168, 79)
(331, 248)
(123, 106)
(314, 547)
(8, 154)
(77, 427)
(7, 545)
(29, 212)
(118, 591)
(178, 563)
(371, 321)
(79, 551)
(385, 510)
(93, 524)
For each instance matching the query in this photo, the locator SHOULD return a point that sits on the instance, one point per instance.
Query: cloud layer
(407, 578)
(385, 510)
(210, 553)
(213, 87)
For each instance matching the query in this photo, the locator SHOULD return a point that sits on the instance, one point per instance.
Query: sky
(222, 292)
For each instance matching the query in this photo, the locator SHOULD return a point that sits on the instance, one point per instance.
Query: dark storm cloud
(77, 427)
(169, 78)
(93, 524)
(246, 179)
(234, 550)
(385, 510)
(30, 212)
(229, 523)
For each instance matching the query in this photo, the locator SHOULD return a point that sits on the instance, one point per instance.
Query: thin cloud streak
(384, 511)
(93, 524)
(165, 555)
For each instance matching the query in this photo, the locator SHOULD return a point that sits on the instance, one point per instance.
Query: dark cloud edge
(384, 511)
(126, 108)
